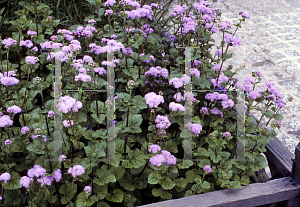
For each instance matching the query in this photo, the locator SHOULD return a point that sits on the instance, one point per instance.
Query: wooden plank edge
(251, 195)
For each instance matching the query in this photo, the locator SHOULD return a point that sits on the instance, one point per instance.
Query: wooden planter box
(282, 189)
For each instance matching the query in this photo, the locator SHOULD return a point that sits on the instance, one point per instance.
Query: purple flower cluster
(87, 189)
(5, 121)
(195, 128)
(9, 42)
(67, 123)
(204, 110)
(39, 172)
(164, 157)
(76, 170)
(31, 59)
(153, 100)
(226, 134)
(14, 109)
(67, 103)
(176, 107)
(26, 43)
(8, 80)
(207, 169)
(178, 97)
(162, 122)
(223, 97)
(50, 113)
(5, 177)
(25, 129)
(61, 158)
(7, 142)
(229, 39)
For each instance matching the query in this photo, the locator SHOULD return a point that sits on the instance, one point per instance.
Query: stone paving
(270, 44)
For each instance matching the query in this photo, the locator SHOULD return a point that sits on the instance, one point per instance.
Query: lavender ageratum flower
(9, 81)
(177, 82)
(171, 160)
(25, 181)
(57, 175)
(204, 110)
(178, 97)
(31, 59)
(26, 43)
(9, 42)
(61, 158)
(244, 14)
(83, 77)
(91, 21)
(31, 33)
(216, 111)
(227, 103)
(67, 123)
(162, 122)
(87, 58)
(157, 160)
(76, 170)
(5, 121)
(7, 142)
(36, 171)
(258, 73)
(154, 148)
(67, 103)
(45, 180)
(207, 169)
(87, 189)
(5, 177)
(176, 107)
(153, 100)
(226, 134)
(50, 113)
(109, 3)
(14, 109)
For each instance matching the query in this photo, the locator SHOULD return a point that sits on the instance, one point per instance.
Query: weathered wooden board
(249, 196)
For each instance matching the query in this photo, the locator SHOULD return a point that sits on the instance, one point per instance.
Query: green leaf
(126, 182)
(117, 171)
(188, 193)
(104, 177)
(159, 192)
(202, 152)
(100, 118)
(14, 182)
(245, 180)
(65, 190)
(96, 151)
(278, 117)
(102, 204)
(181, 182)
(185, 164)
(167, 183)
(84, 200)
(190, 176)
(205, 185)
(117, 196)
(82, 117)
(154, 178)
(36, 146)
(101, 191)
(268, 114)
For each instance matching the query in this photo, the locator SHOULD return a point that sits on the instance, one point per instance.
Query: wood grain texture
(251, 195)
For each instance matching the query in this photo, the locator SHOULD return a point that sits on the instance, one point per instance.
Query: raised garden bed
(282, 189)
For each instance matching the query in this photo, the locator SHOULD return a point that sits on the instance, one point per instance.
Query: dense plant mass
(149, 106)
